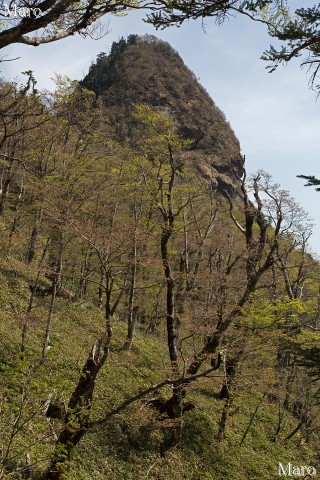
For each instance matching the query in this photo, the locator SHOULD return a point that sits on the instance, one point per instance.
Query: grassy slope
(127, 448)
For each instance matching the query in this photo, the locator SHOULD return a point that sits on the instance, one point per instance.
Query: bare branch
(143, 393)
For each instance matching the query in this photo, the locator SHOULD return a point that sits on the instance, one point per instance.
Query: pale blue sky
(275, 116)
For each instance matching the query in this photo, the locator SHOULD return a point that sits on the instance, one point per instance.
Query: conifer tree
(312, 181)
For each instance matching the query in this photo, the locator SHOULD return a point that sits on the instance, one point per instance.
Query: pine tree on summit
(58, 19)
(312, 181)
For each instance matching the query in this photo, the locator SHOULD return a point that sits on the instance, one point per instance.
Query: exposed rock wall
(148, 70)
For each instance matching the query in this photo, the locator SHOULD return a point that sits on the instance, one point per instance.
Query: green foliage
(301, 34)
(261, 313)
(306, 349)
(82, 225)
(180, 11)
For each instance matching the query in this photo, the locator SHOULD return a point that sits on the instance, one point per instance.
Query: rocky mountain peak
(148, 70)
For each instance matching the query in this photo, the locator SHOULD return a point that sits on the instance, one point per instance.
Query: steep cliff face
(147, 70)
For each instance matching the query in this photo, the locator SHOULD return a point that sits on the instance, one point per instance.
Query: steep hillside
(128, 446)
(148, 329)
(147, 70)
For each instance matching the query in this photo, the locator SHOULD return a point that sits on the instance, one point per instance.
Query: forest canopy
(160, 308)
(147, 313)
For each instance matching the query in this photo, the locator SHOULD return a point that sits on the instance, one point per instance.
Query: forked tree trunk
(175, 403)
(257, 263)
(77, 419)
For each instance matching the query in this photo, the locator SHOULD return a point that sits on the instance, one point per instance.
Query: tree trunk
(55, 286)
(85, 273)
(34, 236)
(101, 289)
(224, 417)
(231, 368)
(16, 219)
(33, 291)
(131, 328)
(6, 179)
(79, 407)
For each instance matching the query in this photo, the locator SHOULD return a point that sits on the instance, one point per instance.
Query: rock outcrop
(147, 70)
